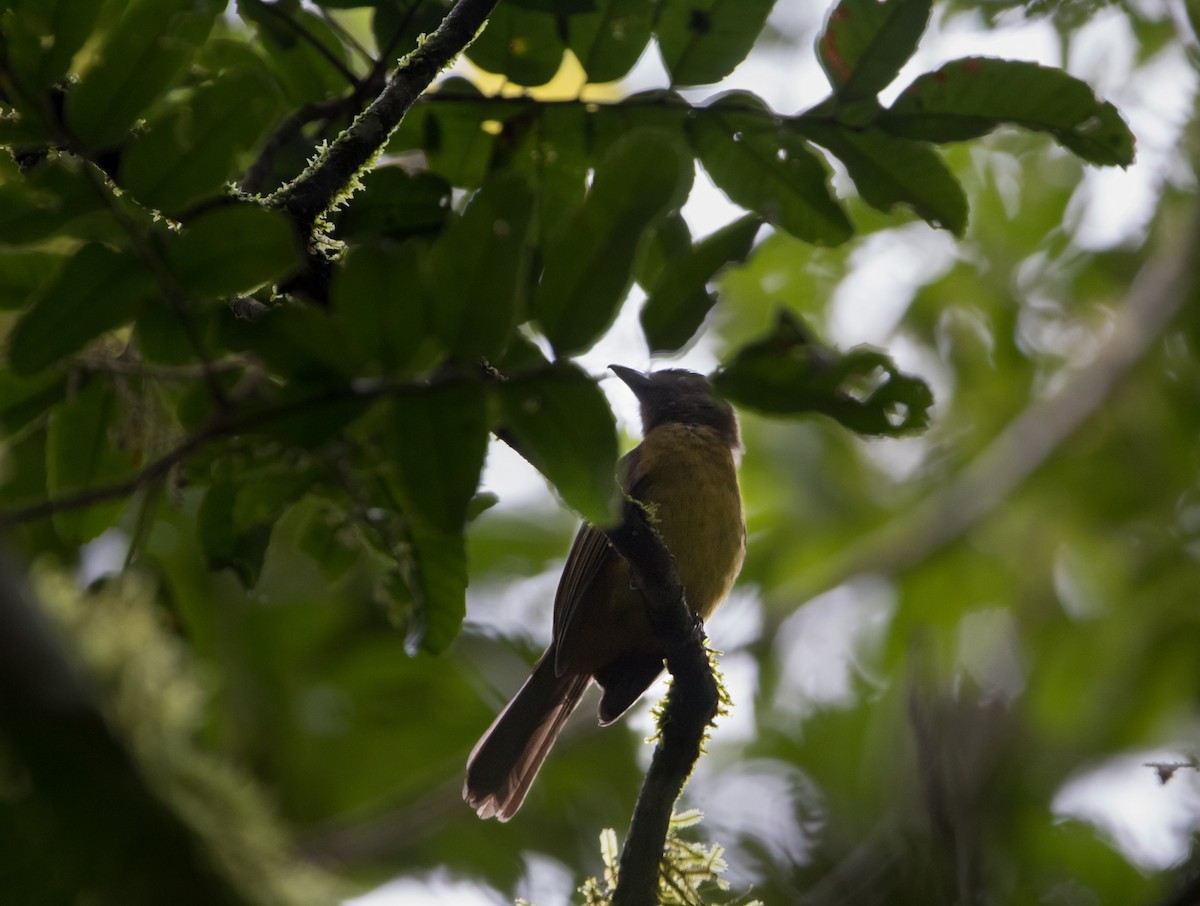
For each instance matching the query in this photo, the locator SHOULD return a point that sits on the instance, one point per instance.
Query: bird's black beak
(637, 382)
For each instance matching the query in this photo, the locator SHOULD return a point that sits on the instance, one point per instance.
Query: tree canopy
(277, 285)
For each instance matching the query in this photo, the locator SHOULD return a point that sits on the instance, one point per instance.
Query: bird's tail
(505, 761)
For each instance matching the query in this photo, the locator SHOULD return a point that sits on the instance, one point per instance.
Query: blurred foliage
(278, 437)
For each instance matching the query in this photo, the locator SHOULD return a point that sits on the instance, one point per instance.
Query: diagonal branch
(690, 707)
(308, 196)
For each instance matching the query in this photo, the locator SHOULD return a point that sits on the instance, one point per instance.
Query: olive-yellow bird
(685, 471)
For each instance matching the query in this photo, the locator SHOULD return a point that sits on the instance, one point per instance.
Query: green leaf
(328, 538)
(98, 290)
(479, 269)
(44, 201)
(865, 42)
(192, 147)
(396, 204)
(669, 239)
(438, 443)
(566, 429)
(226, 546)
(788, 372)
(609, 41)
(380, 302)
(589, 268)
(970, 97)
(678, 299)
(82, 454)
(151, 44)
(702, 41)
(521, 45)
(458, 136)
(768, 169)
(438, 582)
(890, 171)
(41, 37)
(233, 248)
(24, 399)
(304, 72)
(24, 273)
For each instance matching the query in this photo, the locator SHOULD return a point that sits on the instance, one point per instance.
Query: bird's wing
(591, 555)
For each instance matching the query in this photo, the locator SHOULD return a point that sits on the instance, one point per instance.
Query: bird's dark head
(678, 395)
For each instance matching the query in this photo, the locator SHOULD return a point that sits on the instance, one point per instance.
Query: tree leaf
(380, 302)
(768, 169)
(890, 171)
(225, 545)
(589, 268)
(438, 442)
(233, 248)
(44, 201)
(438, 582)
(566, 429)
(678, 299)
(788, 372)
(479, 269)
(98, 290)
(702, 41)
(151, 44)
(865, 42)
(970, 97)
(82, 454)
(610, 40)
(396, 204)
(191, 148)
(522, 45)
(41, 37)
(23, 273)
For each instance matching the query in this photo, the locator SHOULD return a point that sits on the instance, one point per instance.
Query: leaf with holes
(789, 372)
(865, 42)
(702, 41)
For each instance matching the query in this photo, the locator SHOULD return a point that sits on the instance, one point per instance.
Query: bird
(684, 472)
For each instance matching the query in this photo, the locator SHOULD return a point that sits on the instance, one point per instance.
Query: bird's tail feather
(505, 761)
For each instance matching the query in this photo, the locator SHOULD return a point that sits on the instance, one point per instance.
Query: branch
(311, 194)
(690, 707)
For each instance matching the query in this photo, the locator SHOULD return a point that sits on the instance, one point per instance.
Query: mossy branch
(690, 707)
(308, 196)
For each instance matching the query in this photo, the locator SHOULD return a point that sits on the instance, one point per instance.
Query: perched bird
(685, 471)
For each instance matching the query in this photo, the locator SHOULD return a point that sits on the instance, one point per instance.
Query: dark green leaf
(225, 545)
(479, 269)
(678, 299)
(328, 538)
(438, 582)
(305, 72)
(667, 240)
(40, 203)
(865, 42)
(458, 136)
(521, 45)
(41, 37)
(83, 454)
(557, 158)
(702, 41)
(970, 97)
(234, 248)
(190, 150)
(565, 428)
(767, 168)
(396, 204)
(890, 171)
(23, 273)
(609, 40)
(263, 499)
(97, 291)
(24, 399)
(789, 372)
(151, 44)
(398, 25)
(589, 268)
(379, 300)
(438, 441)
